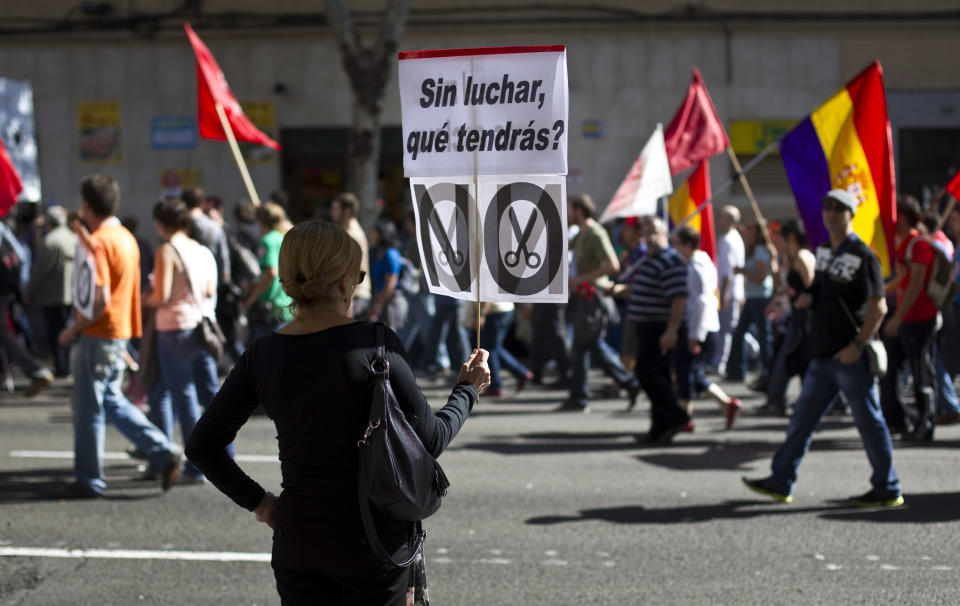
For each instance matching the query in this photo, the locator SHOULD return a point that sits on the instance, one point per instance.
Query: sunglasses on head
(363, 275)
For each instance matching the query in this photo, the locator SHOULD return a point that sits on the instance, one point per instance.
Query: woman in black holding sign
(313, 378)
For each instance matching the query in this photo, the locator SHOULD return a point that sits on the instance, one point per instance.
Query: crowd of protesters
(647, 306)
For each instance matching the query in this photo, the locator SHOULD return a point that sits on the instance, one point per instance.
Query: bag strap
(363, 476)
(186, 275)
(846, 311)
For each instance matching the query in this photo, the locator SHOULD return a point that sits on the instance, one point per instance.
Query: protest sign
(524, 238)
(18, 136)
(446, 216)
(484, 111)
(514, 224)
(84, 281)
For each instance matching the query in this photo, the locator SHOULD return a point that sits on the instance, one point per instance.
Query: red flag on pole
(212, 89)
(10, 185)
(954, 185)
(695, 133)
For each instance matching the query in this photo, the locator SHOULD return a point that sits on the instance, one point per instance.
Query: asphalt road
(544, 508)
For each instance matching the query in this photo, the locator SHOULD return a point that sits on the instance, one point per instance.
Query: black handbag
(396, 473)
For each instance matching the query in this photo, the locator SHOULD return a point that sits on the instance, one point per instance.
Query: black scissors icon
(512, 258)
(446, 253)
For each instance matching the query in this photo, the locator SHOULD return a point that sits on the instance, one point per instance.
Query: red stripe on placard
(494, 50)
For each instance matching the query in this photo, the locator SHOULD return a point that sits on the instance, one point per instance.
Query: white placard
(487, 111)
(84, 281)
(516, 227)
(18, 135)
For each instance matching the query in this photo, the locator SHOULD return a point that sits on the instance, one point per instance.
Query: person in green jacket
(267, 304)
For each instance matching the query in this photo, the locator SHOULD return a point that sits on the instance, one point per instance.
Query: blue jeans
(445, 328)
(752, 316)
(608, 359)
(825, 377)
(494, 331)
(189, 376)
(947, 400)
(98, 367)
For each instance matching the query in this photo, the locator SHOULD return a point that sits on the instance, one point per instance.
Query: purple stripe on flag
(809, 176)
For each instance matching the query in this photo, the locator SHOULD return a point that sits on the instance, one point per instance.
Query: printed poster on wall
(99, 126)
(174, 180)
(261, 114)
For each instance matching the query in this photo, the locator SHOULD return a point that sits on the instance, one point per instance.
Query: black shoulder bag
(396, 474)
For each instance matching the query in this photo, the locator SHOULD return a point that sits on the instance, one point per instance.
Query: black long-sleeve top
(317, 390)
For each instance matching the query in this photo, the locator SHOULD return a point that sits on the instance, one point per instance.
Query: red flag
(695, 133)
(954, 185)
(212, 88)
(688, 197)
(10, 185)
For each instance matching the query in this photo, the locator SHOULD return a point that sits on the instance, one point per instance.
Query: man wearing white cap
(847, 303)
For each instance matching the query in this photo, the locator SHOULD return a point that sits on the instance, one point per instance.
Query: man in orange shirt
(101, 340)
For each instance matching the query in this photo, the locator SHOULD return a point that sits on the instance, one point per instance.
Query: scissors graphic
(446, 253)
(512, 258)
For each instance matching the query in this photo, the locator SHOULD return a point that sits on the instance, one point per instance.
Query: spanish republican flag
(846, 143)
(688, 197)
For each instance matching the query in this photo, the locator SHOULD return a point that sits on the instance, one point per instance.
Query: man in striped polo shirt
(656, 305)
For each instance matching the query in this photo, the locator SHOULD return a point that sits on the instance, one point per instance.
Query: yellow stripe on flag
(849, 170)
(681, 204)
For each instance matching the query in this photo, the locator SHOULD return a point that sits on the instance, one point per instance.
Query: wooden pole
(479, 240)
(761, 222)
(719, 190)
(237, 156)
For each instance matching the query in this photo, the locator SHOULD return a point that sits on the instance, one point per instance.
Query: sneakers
(732, 409)
(170, 473)
(632, 394)
(764, 487)
(522, 381)
(39, 382)
(876, 498)
(78, 491)
(573, 406)
(948, 418)
(492, 393)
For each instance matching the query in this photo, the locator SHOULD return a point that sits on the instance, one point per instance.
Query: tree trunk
(363, 161)
(369, 69)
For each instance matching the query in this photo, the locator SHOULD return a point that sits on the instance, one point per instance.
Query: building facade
(114, 95)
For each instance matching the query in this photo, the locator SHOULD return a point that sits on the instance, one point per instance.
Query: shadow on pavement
(918, 508)
(712, 453)
(50, 484)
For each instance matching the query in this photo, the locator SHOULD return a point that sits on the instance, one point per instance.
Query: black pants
(653, 372)
(549, 338)
(307, 587)
(55, 318)
(915, 344)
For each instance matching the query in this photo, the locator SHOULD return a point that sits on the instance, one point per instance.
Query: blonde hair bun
(315, 255)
